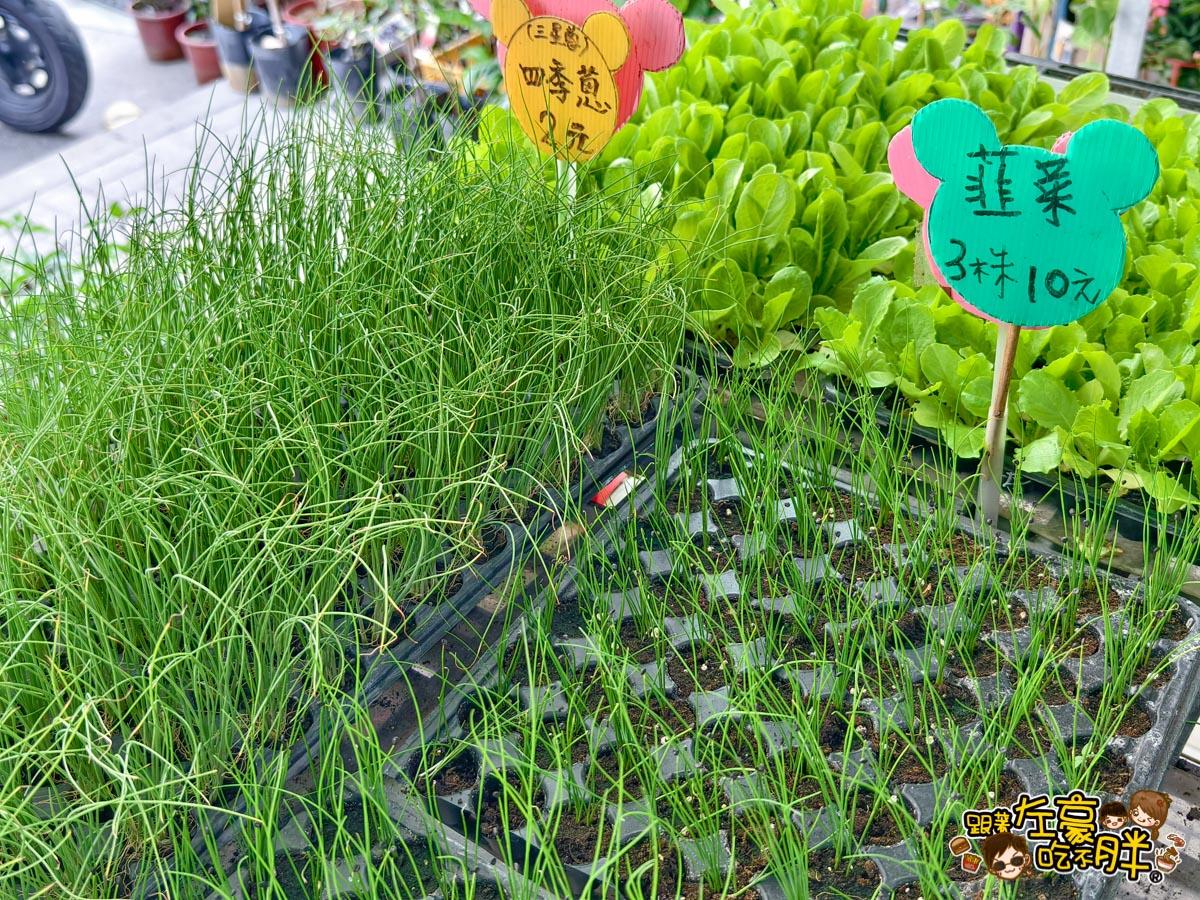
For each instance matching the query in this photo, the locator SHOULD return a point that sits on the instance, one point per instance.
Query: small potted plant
(199, 43)
(157, 21)
(309, 14)
(353, 63)
(1173, 42)
(281, 57)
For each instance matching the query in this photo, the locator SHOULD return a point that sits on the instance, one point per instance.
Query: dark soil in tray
(835, 728)
(728, 515)
(656, 719)
(516, 666)
(803, 641)
(984, 661)
(1008, 789)
(1030, 739)
(874, 824)
(921, 763)
(589, 696)
(854, 878)
(604, 776)
(544, 756)
(712, 557)
(701, 667)
(959, 703)
(568, 621)
(1009, 614)
(692, 890)
(492, 806)
(669, 869)
(832, 506)
(860, 563)
(678, 595)
(445, 769)
(770, 584)
(492, 539)
(641, 646)
(727, 747)
(1176, 628)
(576, 838)
(1135, 722)
(878, 669)
(682, 501)
(349, 819)
(1090, 605)
(1058, 688)
(1055, 887)
(1082, 644)
(1112, 774)
(717, 465)
(910, 630)
(1153, 661)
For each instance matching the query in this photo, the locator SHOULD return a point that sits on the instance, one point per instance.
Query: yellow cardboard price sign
(574, 72)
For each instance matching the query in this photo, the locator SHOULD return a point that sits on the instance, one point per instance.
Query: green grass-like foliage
(331, 363)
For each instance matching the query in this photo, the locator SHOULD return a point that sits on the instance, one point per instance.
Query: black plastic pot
(431, 109)
(355, 71)
(283, 67)
(233, 49)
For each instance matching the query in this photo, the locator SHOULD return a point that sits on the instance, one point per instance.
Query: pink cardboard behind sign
(655, 29)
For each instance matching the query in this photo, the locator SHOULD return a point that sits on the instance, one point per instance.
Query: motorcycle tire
(43, 68)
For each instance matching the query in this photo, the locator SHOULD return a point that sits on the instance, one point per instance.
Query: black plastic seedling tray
(1131, 515)
(427, 625)
(452, 818)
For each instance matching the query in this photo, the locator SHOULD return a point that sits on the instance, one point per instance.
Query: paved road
(119, 71)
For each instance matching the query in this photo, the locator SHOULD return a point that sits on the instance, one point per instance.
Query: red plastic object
(157, 30)
(618, 489)
(200, 47)
(304, 13)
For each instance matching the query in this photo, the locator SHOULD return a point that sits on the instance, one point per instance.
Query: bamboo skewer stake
(992, 470)
(568, 182)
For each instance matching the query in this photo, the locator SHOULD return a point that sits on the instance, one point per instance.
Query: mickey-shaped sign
(574, 68)
(1022, 235)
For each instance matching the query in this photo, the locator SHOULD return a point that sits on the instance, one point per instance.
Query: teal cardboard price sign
(1019, 235)
(1022, 235)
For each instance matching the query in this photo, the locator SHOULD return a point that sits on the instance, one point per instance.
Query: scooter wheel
(43, 67)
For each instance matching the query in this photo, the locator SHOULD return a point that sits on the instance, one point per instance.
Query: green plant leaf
(1046, 400)
(1179, 430)
(1044, 454)
(1149, 394)
(747, 355)
(764, 212)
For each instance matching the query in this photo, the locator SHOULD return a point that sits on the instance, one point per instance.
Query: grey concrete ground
(120, 72)
(45, 177)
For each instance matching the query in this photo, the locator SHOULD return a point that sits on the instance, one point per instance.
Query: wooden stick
(992, 470)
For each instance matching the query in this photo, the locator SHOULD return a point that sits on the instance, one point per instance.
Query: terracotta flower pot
(156, 24)
(200, 47)
(304, 13)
